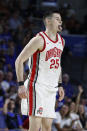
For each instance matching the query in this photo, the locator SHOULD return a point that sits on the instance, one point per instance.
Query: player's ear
(48, 21)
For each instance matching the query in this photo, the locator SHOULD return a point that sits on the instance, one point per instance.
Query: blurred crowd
(20, 18)
(72, 111)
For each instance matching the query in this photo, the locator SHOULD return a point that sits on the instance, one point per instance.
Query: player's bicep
(30, 49)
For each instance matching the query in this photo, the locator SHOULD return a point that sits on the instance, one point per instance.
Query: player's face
(56, 22)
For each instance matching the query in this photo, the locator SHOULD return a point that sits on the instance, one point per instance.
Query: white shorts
(41, 102)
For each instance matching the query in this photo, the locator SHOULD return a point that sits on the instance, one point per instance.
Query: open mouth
(60, 27)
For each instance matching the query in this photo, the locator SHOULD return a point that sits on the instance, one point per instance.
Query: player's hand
(22, 92)
(80, 89)
(61, 93)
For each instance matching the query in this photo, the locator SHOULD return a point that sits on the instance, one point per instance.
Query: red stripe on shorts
(31, 83)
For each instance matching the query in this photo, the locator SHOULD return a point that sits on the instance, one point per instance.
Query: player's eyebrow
(57, 17)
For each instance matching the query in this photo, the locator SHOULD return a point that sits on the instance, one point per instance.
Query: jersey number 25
(54, 63)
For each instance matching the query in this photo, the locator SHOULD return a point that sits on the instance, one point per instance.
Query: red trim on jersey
(44, 42)
(31, 83)
(62, 41)
(50, 39)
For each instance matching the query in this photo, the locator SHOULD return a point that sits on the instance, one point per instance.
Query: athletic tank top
(45, 65)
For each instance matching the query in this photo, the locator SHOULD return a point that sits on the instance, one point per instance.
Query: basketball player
(45, 51)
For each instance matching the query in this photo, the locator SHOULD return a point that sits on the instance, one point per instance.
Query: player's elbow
(18, 61)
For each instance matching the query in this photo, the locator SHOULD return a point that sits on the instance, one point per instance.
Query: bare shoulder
(40, 41)
(36, 42)
(36, 39)
(39, 38)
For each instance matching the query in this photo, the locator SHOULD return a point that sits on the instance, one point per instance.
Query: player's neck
(51, 34)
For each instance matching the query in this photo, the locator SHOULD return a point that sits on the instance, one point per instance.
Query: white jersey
(44, 75)
(45, 66)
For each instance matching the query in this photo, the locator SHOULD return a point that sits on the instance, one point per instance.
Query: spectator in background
(84, 103)
(58, 104)
(6, 33)
(56, 125)
(13, 121)
(74, 103)
(3, 125)
(67, 86)
(75, 117)
(69, 92)
(2, 57)
(14, 21)
(2, 62)
(11, 56)
(74, 107)
(18, 105)
(67, 117)
(2, 93)
(4, 85)
(12, 92)
(70, 11)
(83, 117)
(1, 76)
(66, 122)
(5, 36)
(63, 121)
(9, 78)
(8, 67)
(3, 45)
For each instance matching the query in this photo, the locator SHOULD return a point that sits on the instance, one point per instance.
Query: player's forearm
(19, 69)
